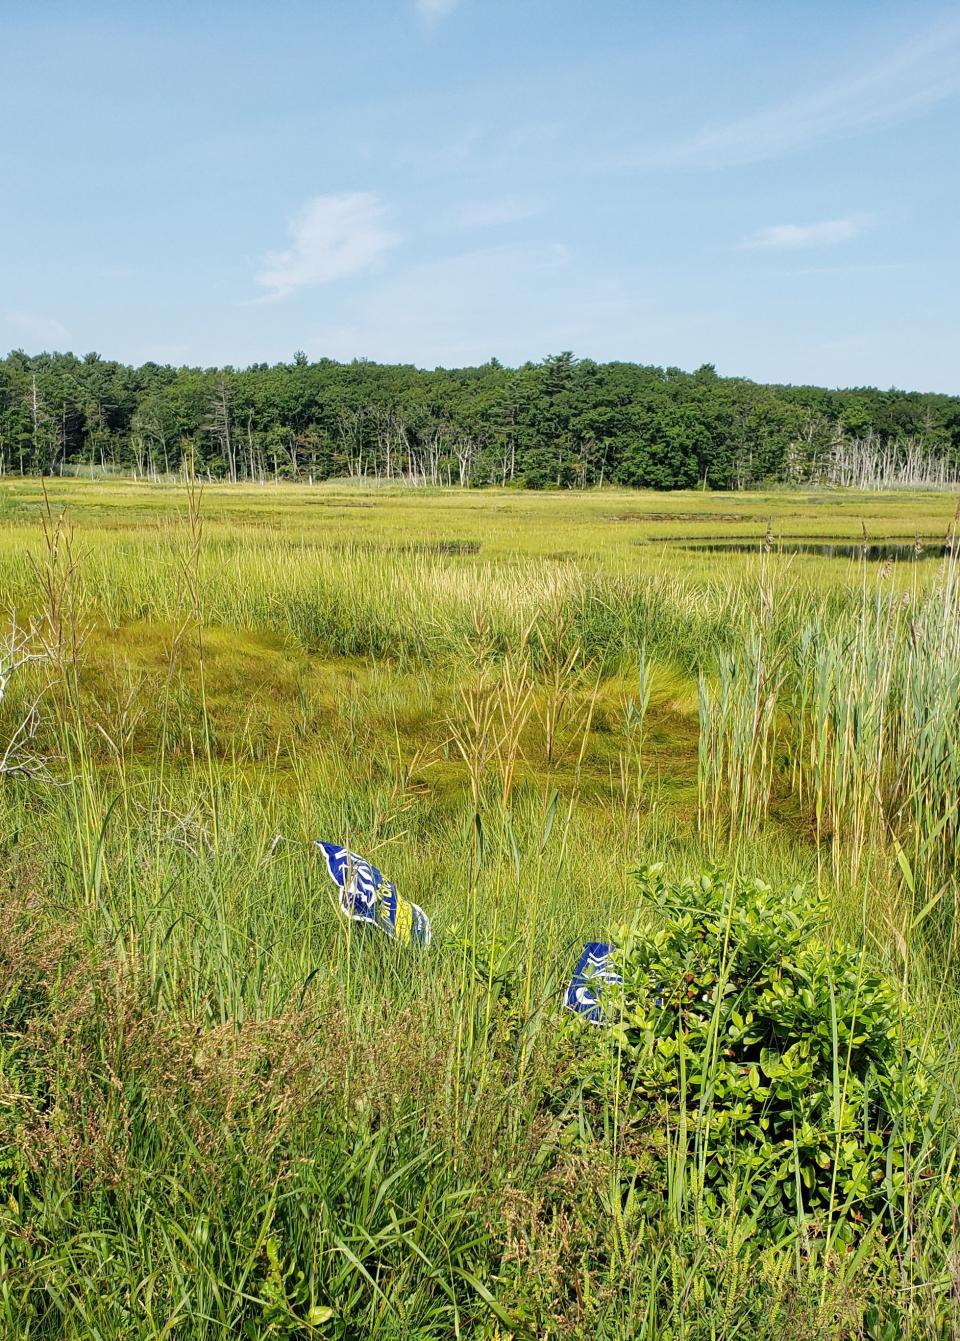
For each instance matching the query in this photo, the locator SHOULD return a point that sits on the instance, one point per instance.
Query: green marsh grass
(226, 1112)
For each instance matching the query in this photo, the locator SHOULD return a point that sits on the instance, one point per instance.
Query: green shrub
(773, 1068)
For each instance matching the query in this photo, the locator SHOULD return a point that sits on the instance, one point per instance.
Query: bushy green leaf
(780, 1063)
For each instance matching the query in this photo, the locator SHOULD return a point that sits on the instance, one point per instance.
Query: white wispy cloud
(912, 78)
(35, 326)
(332, 237)
(432, 11)
(795, 237)
(492, 213)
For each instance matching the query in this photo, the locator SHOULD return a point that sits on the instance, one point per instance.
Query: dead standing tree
(350, 430)
(220, 425)
(466, 449)
(393, 444)
(47, 436)
(872, 462)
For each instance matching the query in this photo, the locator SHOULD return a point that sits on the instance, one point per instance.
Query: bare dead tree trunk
(250, 443)
(220, 425)
(899, 463)
(465, 451)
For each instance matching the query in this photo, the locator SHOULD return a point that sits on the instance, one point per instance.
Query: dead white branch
(19, 648)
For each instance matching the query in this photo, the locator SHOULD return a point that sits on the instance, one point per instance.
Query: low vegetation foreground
(717, 732)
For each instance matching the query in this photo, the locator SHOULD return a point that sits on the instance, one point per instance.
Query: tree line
(562, 422)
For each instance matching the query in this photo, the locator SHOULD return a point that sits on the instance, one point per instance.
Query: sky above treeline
(772, 188)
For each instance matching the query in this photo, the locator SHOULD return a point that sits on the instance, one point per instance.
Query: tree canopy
(558, 423)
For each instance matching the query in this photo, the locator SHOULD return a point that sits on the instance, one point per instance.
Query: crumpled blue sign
(593, 972)
(367, 896)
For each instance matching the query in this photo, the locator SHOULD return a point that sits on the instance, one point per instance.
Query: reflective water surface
(873, 551)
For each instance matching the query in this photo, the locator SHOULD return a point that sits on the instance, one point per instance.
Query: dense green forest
(561, 422)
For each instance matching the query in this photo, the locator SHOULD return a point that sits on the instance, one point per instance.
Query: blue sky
(770, 187)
